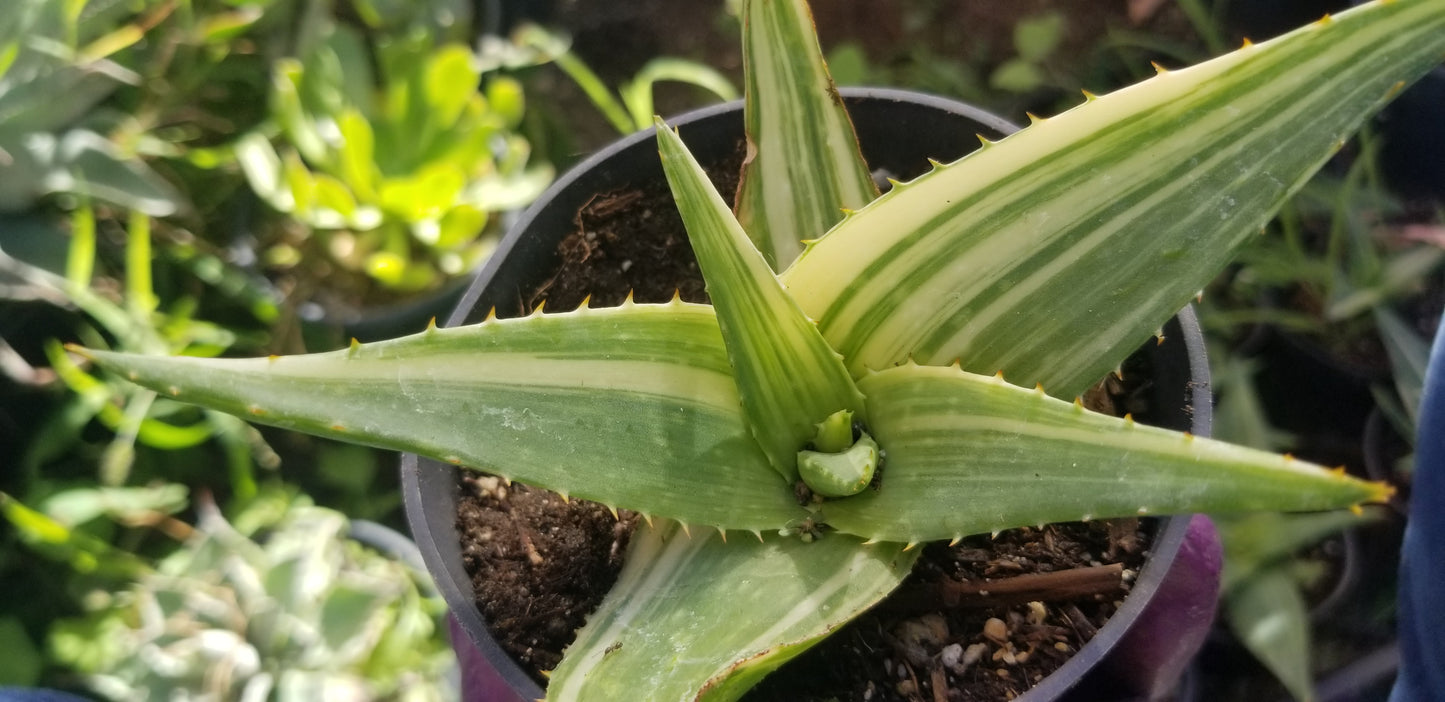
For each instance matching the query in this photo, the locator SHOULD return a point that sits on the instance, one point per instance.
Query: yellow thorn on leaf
(538, 309)
(586, 302)
(1160, 70)
(1338, 470)
(1078, 402)
(1129, 418)
(565, 499)
(1188, 437)
(676, 296)
(1247, 43)
(1327, 19)
(613, 510)
(910, 546)
(936, 163)
(338, 426)
(685, 530)
(255, 410)
(647, 518)
(1033, 118)
(1090, 96)
(273, 358)
(174, 391)
(628, 302)
(998, 375)
(723, 533)
(984, 140)
(1039, 389)
(1357, 510)
(454, 460)
(954, 541)
(491, 315)
(758, 534)
(431, 325)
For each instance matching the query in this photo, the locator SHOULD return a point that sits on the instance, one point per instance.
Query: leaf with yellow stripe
(788, 378)
(1080, 235)
(803, 167)
(634, 407)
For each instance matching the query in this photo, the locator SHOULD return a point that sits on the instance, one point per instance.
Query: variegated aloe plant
(1049, 255)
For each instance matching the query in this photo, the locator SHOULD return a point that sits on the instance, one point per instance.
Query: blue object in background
(1422, 562)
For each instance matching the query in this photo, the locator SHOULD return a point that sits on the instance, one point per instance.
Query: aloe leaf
(788, 378)
(633, 407)
(658, 630)
(1016, 457)
(1080, 235)
(803, 166)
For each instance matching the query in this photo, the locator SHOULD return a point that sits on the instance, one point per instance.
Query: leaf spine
(758, 534)
(537, 311)
(613, 510)
(1039, 389)
(491, 315)
(1035, 119)
(586, 302)
(338, 426)
(431, 325)
(273, 358)
(984, 141)
(1357, 510)
(910, 546)
(1394, 89)
(1158, 70)
(1089, 97)
(1188, 437)
(1247, 43)
(998, 376)
(566, 500)
(954, 541)
(676, 297)
(255, 410)
(870, 542)
(1078, 403)
(628, 302)
(685, 530)
(353, 348)
(454, 460)
(174, 391)
(1129, 419)
(1326, 20)
(936, 164)
(723, 533)
(647, 518)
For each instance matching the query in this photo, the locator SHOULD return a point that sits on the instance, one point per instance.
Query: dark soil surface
(981, 620)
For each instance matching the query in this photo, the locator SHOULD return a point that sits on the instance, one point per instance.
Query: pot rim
(455, 584)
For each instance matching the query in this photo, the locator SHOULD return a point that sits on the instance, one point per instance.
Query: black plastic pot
(898, 132)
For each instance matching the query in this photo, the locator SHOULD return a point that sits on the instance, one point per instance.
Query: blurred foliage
(274, 603)
(403, 165)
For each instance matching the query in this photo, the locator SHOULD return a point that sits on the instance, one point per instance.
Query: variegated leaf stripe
(696, 618)
(788, 378)
(803, 167)
(634, 407)
(1077, 237)
(1010, 457)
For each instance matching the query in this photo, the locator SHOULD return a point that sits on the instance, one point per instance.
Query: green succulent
(408, 175)
(1050, 254)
